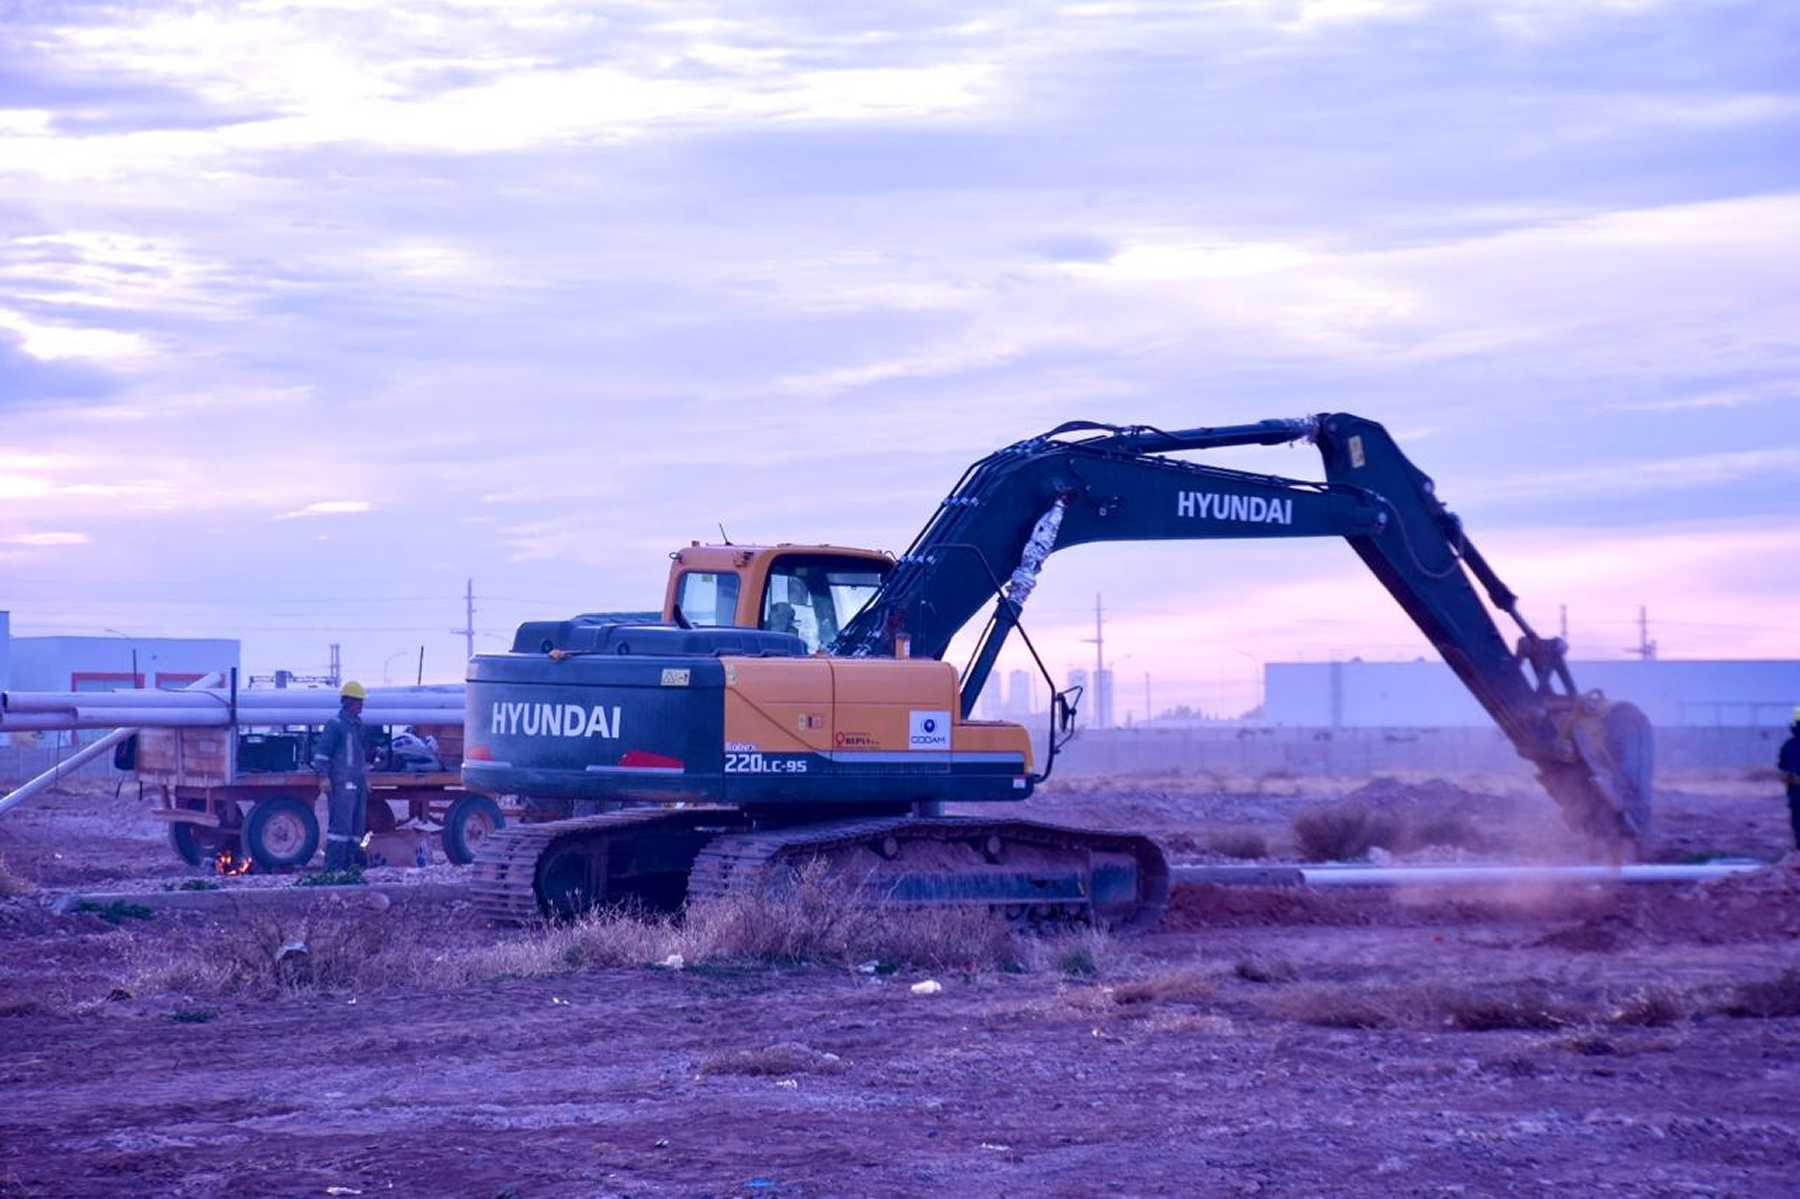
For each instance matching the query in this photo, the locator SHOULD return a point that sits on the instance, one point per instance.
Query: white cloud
(1640, 475)
(328, 508)
(48, 539)
(53, 341)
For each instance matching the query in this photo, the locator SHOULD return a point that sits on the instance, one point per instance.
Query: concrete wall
(64, 663)
(1674, 693)
(1254, 751)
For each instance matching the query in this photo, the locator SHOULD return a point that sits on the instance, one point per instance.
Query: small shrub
(1451, 829)
(193, 1015)
(1078, 961)
(1338, 1009)
(1245, 845)
(1768, 998)
(353, 877)
(1527, 1007)
(819, 917)
(1650, 1007)
(116, 912)
(1179, 986)
(1266, 970)
(10, 883)
(788, 1058)
(1085, 954)
(1342, 832)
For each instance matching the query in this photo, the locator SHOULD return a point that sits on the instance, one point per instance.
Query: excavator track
(1025, 869)
(516, 869)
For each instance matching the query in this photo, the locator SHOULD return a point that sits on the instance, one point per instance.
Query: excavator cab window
(707, 598)
(811, 598)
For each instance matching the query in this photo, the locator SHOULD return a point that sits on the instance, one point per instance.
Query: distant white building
(1426, 694)
(1019, 696)
(109, 663)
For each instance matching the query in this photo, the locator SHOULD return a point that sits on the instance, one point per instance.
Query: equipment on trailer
(242, 798)
(793, 704)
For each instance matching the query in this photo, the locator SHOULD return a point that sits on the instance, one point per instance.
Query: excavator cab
(805, 591)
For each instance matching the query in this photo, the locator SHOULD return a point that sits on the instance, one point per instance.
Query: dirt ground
(1262, 1041)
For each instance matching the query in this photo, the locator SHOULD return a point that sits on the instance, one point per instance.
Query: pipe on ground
(1453, 876)
(80, 758)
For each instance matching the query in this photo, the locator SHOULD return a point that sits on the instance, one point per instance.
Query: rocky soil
(1640, 1042)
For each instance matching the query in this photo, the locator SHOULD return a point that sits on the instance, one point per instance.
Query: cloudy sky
(308, 312)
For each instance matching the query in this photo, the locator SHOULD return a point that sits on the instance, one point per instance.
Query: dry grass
(10, 883)
(1346, 832)
(818, 918)
(1767, 998)
(1086, 953)
(1651, 1007)
(1512, 1006)
(1522, 1006)
(1248, 846)
(1266, 970)
(786, 1059)
(1342, 832)
(335, 945)
(328, 946)
(1185, 986)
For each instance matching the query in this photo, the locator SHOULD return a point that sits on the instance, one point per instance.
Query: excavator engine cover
(744, 717)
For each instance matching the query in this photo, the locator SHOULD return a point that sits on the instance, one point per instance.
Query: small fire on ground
(231, 861)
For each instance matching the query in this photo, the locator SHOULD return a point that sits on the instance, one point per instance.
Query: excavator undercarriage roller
(656, 859)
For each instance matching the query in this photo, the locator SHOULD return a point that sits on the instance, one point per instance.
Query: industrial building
(108, 663)
(1674, 693)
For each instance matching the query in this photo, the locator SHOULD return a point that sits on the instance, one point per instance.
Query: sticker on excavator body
(1356, 452)
(673, 677)
(928, 730)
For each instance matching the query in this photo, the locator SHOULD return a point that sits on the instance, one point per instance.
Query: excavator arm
(1084, 482)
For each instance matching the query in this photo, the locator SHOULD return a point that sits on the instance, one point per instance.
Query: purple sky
(309, 312)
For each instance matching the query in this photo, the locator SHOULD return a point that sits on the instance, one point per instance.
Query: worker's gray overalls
(341, 755)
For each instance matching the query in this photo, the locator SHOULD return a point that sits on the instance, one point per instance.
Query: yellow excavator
(792, 704)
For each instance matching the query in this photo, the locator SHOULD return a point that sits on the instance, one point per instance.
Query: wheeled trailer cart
(243, 798)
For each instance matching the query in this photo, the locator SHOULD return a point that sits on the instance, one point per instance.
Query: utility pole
(467, 632)
(1563, 623)
(1149, 712)
(1646, 648)
(337, 665)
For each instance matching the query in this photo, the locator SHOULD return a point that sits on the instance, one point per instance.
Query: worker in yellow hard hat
(1789, 765)
(341, 755)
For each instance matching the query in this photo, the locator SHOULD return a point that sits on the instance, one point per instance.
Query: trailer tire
(282, 832)
(181, 836)
(467, 824)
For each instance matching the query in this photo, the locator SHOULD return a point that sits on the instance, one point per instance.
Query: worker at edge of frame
(342, 756)
(1789, 765)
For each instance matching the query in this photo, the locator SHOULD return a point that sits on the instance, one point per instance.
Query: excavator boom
(1083, 482)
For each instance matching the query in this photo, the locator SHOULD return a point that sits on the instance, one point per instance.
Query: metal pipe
(194, 718)
(1476, 876)
(80, 758)
(57, 701)
(1452, 876)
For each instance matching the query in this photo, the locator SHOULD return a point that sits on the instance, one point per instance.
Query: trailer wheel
(182, 837)
(281, 832)
(467, 824)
